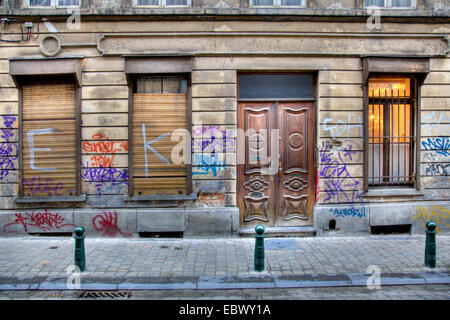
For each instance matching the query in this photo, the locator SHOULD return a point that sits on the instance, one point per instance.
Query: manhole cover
(104, 294)
(281, 244)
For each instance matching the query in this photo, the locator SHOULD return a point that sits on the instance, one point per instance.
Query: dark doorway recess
(395, 229)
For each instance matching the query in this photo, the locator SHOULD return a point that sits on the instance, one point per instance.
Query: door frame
(239, 175)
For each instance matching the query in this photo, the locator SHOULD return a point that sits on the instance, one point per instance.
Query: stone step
(273, 232)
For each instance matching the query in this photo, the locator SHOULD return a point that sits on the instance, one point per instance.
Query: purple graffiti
(48, 187)
(101, 176)
(8, 121)
(7, 151)
(212, 139)
(339, 184)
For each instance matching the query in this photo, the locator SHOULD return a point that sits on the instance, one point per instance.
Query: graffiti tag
(106, 223)
(441, 169)
(45, 221)
(439, 144)
(341, 128)
(47, 186)
(439, 215)
(208, 163)
(7, 151)
(101, 176)
(339, 184)
(349, 212)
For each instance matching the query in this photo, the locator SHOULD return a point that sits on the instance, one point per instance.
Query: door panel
(276, 185)
(257, 202)
(296, 174)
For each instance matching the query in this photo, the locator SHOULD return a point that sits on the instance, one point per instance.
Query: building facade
(209, 117)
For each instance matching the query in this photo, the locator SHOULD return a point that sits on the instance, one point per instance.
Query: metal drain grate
(104, 294)
(282, 244)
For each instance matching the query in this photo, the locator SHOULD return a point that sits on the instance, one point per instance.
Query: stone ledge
(201, 12)
(211, 221)
(115, 222)
(80, 198)
(392, 192)
(281, 231)
(357, 219)
(159, 220)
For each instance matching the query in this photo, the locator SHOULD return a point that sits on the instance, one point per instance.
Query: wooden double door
(276, 181)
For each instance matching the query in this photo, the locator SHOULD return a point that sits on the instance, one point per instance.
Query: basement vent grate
(104, 294)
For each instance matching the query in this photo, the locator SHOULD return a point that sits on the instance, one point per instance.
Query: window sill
(80, 198)
(392, 192)
(155, 197)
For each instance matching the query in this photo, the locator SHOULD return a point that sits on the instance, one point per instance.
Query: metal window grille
(391, 135)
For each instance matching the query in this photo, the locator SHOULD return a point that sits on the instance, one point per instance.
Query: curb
(256, 281)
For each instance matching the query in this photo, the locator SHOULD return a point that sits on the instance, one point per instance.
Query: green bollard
(80, 256)
(430, 245)
(259, 248)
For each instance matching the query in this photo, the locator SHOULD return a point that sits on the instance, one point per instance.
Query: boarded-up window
(159, 108)
(49, 138)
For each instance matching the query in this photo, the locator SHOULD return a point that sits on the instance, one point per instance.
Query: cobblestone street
(408, 292)
(50, 256)
(28, 265)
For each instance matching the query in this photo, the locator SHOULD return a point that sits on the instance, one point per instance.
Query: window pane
(297, 3)
(147, 2)
(65, 3)
(399, 142)
(174, 85)
(390, 131)
(376, 113)
(401, 3)
(148, 85)
(378, 3)
(263, 2)
(386, 87)
(276, 86)
(40, 3)
(176, 2)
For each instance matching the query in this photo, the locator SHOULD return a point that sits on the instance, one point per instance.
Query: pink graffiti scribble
(45, 221)
(107, 224)
(317, 186)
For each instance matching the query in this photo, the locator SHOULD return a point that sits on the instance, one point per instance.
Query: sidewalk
(190, 263)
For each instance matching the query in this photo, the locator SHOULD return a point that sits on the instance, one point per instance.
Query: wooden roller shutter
(155, 117)
(49, 138)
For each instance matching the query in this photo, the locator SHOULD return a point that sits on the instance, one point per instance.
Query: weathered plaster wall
(219, 56)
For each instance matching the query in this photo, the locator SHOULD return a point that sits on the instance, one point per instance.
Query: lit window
(392, 4)
(162, 3)
(277, 3)
(391, 131)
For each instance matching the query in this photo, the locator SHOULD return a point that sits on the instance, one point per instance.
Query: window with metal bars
(391, 113)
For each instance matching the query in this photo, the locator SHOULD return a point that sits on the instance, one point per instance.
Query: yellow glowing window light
(389, 87)
(398, 121)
